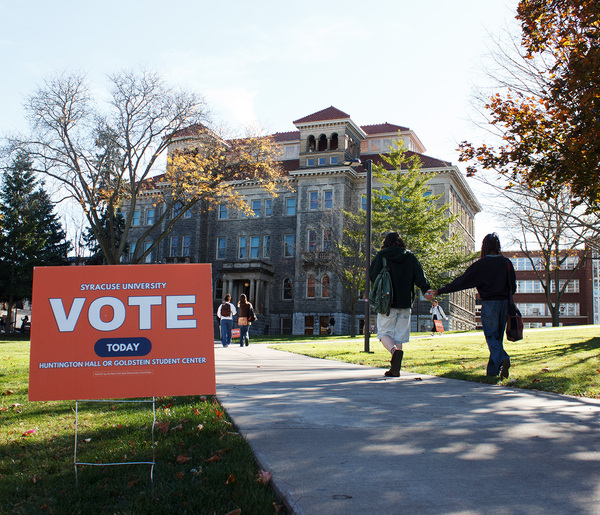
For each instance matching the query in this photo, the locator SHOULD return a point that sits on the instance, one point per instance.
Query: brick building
(278, 257)
(579, 304)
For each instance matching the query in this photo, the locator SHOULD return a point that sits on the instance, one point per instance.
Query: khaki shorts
(396, 325)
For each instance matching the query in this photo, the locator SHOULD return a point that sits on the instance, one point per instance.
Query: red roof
(381, 128)
(192, 130)
(331, 113)
(426, 161)
(287, 136)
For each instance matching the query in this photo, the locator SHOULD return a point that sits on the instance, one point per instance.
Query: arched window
(310, 287)
(287, 289)
(219, 289)
(325, 287)
(311, 144)
(322, 143)
(334, 143)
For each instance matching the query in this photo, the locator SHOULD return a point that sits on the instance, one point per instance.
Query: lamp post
(368, 164)
(368, 167)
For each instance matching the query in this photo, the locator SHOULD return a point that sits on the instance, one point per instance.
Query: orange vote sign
(109, 332)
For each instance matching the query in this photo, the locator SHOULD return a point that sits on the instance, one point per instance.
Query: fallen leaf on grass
(177, 428)
(181, 459)
(30, 432)
(278, 507)
(235, 512)
(163, 427)
(179, 475)
(133, 483)
(264, 477)
(545, 369)
(216, 457)
(8, 392)
(230, 479)
(219, 413)
(196, 411)
(200, 426)
(34, 479)
(535, 380)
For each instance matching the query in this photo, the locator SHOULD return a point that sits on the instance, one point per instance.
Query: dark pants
(493, 320)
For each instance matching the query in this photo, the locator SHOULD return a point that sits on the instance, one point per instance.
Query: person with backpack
(225, 314)
(437, 313)
(393, 329)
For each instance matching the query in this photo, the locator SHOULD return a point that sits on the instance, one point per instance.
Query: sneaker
(504, 368)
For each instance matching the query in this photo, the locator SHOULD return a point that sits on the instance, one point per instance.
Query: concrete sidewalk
(342, 439)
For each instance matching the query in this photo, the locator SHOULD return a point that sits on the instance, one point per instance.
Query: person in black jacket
(492, 275)
(406, 271)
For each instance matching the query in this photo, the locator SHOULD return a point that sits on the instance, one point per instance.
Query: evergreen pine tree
(30, 232)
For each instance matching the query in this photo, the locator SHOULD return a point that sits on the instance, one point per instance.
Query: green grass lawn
(202, 464)
(560, 360)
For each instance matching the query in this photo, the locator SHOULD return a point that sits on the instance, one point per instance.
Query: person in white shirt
(437, 313)
(225, 314)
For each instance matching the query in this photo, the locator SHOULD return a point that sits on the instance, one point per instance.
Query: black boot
(396, 362)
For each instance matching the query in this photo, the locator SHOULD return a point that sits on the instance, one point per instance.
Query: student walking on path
(244, 320)
(405, 270)
(437, 313)
(225, 314)
(493, 275)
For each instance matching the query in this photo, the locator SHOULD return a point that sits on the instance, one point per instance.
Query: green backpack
(381, 294)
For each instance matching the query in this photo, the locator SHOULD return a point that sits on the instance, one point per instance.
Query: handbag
(439, 326)
(514, 320)
(252, 315)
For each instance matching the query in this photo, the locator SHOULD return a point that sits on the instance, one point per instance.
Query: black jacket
(490, 275)
(405, 271)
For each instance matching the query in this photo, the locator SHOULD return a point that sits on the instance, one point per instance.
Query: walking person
(405, 270)
(331, 326)
(225, 314)
(493, 275)
(244, 319)
(437, 313)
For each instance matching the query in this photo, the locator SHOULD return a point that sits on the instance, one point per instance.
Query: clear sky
(269, 62)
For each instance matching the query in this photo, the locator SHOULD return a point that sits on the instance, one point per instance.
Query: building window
(186, 242)
(288, 245)
(136, 217)
(572, 286)
(218, 289)
(254, 244)
(310, 161)
(267, 246)
(222, 212)
(176, 209)
(322, 161)
(310, 287)
(313, 200)
(221, 247)
(242, 254)
(312, 240)
(256, 205)
(287, 289)
(325, 287)
(363, 202)
(333, 160)
(174, 246)
(290, 206)
(132, 247)
(268, 207)
(327, 240)
(328, 199)
(147, 245)
(150, 213)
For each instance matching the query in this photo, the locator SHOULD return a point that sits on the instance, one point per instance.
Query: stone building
(279, 257)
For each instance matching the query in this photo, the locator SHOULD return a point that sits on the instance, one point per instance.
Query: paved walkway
(342, 439)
